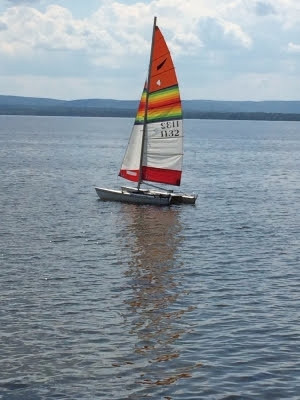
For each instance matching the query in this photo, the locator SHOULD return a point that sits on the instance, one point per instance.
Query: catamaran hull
(183, 198)
(176, 198)
(125, 196)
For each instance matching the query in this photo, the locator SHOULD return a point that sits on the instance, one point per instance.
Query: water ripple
(115, 301)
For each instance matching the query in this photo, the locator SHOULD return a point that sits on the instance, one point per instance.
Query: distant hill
(288, 107)
(269, 110)
(19, 101)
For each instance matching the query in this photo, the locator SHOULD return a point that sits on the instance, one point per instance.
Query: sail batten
(159, 116)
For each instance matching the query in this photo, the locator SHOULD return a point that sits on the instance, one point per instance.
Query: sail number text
(169, 129)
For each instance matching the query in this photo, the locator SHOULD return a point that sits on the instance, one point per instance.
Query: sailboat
(155, 148)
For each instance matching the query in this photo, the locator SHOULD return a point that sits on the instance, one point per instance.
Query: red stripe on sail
(169, 176)
(131, 175)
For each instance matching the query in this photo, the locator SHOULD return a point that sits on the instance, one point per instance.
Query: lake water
(103, 300)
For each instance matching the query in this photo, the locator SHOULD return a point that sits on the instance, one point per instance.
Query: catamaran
(155, 148)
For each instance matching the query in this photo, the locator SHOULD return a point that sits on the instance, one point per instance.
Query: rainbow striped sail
(155, 148)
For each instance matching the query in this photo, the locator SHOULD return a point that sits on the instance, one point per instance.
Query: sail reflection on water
(156, 306)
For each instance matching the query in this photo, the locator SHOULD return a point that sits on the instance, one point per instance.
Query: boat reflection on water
(157, 303)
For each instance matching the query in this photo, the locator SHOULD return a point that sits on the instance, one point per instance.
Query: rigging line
(158, 187)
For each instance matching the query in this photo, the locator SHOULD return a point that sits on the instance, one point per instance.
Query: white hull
(145, 196)
(176, 198)
(140, 197)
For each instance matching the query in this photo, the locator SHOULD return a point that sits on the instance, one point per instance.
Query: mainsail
(155, 148)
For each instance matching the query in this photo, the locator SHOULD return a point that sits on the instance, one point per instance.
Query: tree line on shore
(130, 113)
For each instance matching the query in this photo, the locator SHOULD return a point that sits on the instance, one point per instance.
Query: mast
(146, 106)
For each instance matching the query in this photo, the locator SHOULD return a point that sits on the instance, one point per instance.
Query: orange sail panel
(162, 72)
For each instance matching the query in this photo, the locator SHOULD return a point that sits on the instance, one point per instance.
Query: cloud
(56, 29)
(293, 48)
(288, 13)
(263, 9)
(117, 29)
(20, 2)
(246, 86)
(3, 26)
(53, 87)
(218, 33)
(219, 39)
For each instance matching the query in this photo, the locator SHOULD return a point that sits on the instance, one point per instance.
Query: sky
(222, 49)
